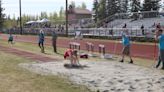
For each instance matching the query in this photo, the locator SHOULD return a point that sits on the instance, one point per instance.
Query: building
(77, 14)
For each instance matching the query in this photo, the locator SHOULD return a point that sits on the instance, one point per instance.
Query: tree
(55, 16)
(43, 15)
(102, 9)
(61, 13)
(135, 5)
(150, 5)
(95, 9)
(124, 6)
(83, 5)
(73, 4)
(1, 15)
(112, 7)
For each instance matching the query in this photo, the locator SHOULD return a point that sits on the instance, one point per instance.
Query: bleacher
(134, 19)
(147, 22)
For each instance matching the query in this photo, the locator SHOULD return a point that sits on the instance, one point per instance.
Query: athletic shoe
(131, 62)
(121, 61)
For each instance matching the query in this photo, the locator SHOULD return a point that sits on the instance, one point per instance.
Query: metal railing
(134, 32)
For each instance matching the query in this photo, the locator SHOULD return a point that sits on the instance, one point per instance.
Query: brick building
(77, 14)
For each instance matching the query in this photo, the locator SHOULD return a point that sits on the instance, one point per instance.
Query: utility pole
(66, 18)
(20, 19)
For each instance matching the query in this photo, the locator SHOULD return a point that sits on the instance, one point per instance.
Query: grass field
(15, 79)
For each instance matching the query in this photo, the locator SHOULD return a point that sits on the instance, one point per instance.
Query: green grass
(34, 48)
(15, 79)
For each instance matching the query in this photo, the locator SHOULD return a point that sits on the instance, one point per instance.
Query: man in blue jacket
(126, 46)
(41, 41)
(159, 36)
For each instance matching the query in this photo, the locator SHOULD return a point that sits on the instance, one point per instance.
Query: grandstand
(110, 26)
(134, 21)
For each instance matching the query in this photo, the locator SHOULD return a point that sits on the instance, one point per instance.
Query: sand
(105, 76)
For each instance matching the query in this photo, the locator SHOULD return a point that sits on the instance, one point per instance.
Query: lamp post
(66, 17)
(20, 17)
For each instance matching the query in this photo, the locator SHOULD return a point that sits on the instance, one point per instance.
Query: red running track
(137, 50)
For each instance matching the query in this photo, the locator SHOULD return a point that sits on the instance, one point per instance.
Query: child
(41, 41)
(72, 56)
(126, 46)
(10, 40)
(160, 37)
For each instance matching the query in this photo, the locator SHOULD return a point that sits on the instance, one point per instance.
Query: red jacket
(68, 53)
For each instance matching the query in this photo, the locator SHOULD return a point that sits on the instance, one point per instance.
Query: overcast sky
(33, 7)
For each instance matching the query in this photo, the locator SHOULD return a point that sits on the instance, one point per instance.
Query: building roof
(82, 11)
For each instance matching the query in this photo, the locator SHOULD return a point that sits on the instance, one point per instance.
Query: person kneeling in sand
(72, 56)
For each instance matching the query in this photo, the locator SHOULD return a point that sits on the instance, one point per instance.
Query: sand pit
(106, 76)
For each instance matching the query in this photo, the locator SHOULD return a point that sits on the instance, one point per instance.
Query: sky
(34, 7)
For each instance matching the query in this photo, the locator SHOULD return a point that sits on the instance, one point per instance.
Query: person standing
(41, 41)
(54, 39)
(10, 39)
(142, 28)
(159, 36)
(126, 45)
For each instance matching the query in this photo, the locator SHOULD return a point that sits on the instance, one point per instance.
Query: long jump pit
(104, 76)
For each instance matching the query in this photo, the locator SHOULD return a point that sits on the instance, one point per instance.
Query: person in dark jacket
(41, 41)
(54, 39)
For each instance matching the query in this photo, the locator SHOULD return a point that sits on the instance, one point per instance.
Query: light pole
(20, 19)
(66, 17)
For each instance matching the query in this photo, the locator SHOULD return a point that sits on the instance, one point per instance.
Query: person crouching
(72, 56)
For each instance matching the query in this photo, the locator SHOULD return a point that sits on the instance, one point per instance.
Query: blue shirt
(161, 42)
(10, 37)
(125, 40)
(41, 37)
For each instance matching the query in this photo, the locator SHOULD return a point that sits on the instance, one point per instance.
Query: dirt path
(26, 54)
(137, 50)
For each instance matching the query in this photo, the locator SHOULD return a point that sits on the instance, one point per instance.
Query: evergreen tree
(112, 7)
(95, 9)
(1, 15)
(150, 5)
(83, 6)
(135, 5)
(43, 15)
(124, 6)
(61, 13)
(73, 4)
(102, 10)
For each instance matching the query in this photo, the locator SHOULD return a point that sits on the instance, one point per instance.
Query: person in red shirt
(72, 56)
